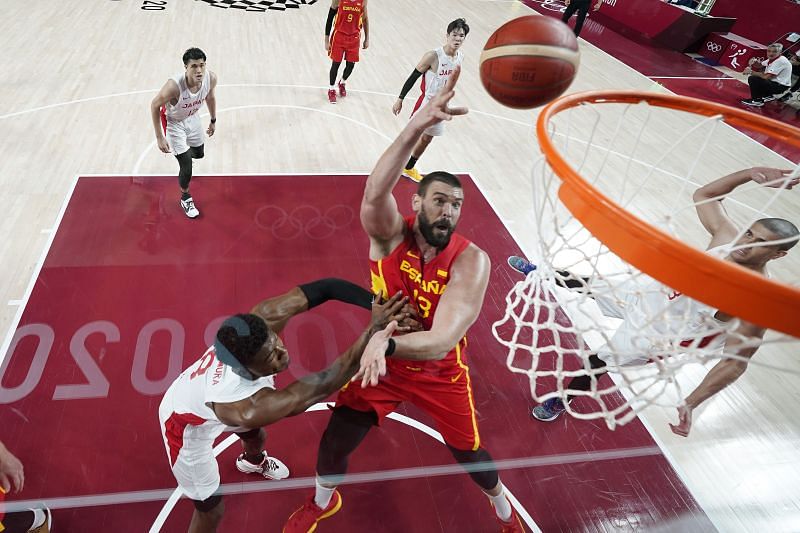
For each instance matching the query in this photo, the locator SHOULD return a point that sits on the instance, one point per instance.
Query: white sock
(39, 518)
(342, 81)
(332, 87)
(501, 505)
(323, 495)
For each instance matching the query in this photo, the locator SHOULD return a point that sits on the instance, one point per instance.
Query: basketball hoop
(612, 207)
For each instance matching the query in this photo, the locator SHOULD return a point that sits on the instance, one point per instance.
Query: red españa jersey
(423, 283)
(348, 18)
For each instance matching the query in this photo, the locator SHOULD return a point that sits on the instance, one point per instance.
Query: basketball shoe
(187, 203)
(549, 410)
(269, 467)
(514, 525)
(521, 265)
(332, 96)
(342, 89)
(46, 525)
(305, 519)
(412, 174)
(753, 102)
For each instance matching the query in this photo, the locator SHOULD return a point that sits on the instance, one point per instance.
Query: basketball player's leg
(450, 403)
(583, 10)
(416, 153)
(356, 411)
(570, 10)
(207, 514)
(254, 458)
(336, 54)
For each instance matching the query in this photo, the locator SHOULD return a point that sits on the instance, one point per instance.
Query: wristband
(391, 348)
(213, 120)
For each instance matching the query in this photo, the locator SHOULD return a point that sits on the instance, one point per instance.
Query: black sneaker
(786, 97)
(753, 102)
(769, 98)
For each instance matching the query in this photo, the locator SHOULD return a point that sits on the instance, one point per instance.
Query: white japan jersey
(433, 81)
(189, 103)
(209, 380)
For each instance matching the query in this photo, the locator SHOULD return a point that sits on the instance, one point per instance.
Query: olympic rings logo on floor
(304, 220)
(551, 5)
(714, 47)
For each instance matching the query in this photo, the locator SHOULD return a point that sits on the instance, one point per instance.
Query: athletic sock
(323, 495)
(411, 162)
(185, 195)
(502, 507)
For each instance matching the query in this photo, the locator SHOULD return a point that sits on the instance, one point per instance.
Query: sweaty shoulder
(473, 259)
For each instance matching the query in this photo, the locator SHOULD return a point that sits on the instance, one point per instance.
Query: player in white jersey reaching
(176, 119)
(689, 323)
(436, 66)
(231, 388)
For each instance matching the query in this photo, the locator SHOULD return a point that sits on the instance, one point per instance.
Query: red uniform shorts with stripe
(345, 47)
(446, 397)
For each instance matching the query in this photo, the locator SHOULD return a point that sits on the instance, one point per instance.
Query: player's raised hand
(773, 177)
(438, 108)
(684, 425)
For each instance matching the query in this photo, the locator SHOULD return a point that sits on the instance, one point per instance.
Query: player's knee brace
(346, 429)
(185, 171)
(479, 465)
(198, 152)
(209, 504)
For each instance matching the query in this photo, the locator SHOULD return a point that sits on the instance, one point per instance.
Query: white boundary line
(23, 303)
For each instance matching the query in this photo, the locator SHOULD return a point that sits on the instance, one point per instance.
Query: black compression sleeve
(329, 22)
(410, 83)
(322, 290)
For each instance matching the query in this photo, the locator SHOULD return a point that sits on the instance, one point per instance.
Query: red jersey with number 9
(423, 283)
(348, 18)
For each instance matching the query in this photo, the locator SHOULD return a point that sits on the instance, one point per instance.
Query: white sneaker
(189, 208)
(269, 467)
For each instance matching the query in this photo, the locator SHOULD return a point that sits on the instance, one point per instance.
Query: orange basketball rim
(724, 285)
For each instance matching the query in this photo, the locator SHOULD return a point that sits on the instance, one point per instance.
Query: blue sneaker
(549, 410)
(521, 265)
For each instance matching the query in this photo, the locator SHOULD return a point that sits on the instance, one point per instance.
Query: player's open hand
(397, 106)
(438, 108)
(212, 127)
(373, 360)
(163, 145)
(12, 475)
(773, 177)
(393, 309)
(684, 425)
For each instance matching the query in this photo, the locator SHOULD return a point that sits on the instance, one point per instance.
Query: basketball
(529, 61)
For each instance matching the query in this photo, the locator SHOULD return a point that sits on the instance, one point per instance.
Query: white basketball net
(645, 331)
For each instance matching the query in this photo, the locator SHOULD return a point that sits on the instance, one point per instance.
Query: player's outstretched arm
(708, 199)
(168, 93)
(267, 406)
(457, 310)
(743, 343)
(379, 214)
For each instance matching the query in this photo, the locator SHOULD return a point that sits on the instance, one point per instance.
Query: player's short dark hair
(782, 229)
(240, 336)
(193, 53)
(439, 175)
(459, 24)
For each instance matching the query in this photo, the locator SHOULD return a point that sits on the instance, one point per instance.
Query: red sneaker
(342, 89)
(332, 96)
(514, 525)
(305, 519)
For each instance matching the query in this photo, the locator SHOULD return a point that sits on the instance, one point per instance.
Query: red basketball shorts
(345, 47)
(446, 398)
